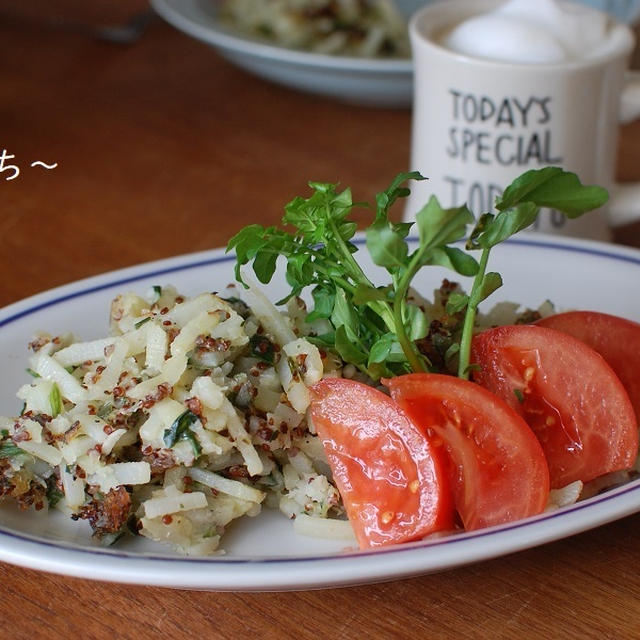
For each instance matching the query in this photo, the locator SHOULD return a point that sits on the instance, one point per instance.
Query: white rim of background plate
(188, 16)
(316, 570)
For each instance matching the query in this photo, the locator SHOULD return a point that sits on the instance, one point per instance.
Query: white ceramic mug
(478, 124)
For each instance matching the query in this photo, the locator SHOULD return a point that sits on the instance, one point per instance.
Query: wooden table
(162, 149)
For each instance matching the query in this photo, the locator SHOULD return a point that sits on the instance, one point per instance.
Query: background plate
(365, 81)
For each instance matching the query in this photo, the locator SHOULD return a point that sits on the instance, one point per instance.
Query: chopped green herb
(239, 306)
(518, 394)
(32, 373)
(109, 539)
(55, 400)
(132, 525)
(10, 450)
(181, 429)
(54, 495)
(138, 324)
(195, 445)
(154, 294)
(262, 348)
(105, 410)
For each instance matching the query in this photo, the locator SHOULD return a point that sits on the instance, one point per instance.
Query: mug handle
(624, 202)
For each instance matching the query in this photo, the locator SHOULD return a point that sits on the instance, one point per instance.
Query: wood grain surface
(163, 148)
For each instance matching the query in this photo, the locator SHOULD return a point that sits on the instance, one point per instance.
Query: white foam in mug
(506, 86)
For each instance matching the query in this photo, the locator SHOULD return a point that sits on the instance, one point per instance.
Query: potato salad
(191, 414)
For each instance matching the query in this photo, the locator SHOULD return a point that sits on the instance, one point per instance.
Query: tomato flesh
(566, 392)
(391, 479)
(616, 339)
(496, 467)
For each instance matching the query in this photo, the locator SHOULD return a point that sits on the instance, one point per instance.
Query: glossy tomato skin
(566, 392)
(390, 478)
(616, 339)
(497, 468)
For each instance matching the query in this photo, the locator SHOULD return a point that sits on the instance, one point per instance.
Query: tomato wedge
(567, 393)
(497, 467)
(616, 339)
(390, 478)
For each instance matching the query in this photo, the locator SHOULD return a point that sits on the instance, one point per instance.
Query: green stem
(470, 317)
(416, 361)
(347, 257)
(383, 309)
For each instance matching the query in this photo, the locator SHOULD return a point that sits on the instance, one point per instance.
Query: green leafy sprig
(371, 326)
(518, 208)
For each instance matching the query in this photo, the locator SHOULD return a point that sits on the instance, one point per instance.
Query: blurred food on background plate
(368, 28)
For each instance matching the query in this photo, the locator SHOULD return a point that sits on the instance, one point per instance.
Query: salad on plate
(366, 413)
(363, 28)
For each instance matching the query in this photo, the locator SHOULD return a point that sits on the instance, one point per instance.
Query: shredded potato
(175, 424)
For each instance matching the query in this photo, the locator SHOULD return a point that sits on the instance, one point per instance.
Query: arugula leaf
(489, 283)
(344, 315)
(387, 198)
(438, 227)
(386, 349)
(455, 259)
(264, 266)
(387, 248)
(554, 188)
(323, 303)
(457, 302)
(251, 242)
(367, 293)
(417, 322)
(346, 349)
(521, 188)
(322, 215)
(492, 230)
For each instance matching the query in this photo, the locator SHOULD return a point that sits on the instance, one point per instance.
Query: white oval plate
(264, 553)
(365, 81)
